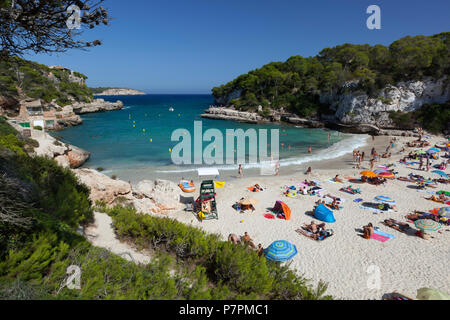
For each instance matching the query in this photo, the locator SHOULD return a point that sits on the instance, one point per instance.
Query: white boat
(171, 109)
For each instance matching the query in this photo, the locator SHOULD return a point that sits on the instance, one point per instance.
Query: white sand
(101, 234)
(406, 263)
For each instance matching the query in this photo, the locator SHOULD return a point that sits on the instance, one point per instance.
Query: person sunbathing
(337, 179)
(312, 227)
(334, 205)
(368, 231)
(258, 187)
(233, 238)
(260, 250)
(397, 225)
(248, 241)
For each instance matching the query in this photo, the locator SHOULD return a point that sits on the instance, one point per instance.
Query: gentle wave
(336, 150)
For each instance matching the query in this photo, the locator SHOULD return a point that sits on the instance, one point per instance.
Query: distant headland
(116, 92)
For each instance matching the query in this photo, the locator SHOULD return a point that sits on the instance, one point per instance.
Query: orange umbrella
(369, 174)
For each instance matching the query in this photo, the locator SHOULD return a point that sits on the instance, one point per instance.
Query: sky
(190, 46)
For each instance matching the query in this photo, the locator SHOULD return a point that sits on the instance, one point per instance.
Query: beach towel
(373, 209)
(379, 237)
(269, 216)
(384, 234)
(426, 191)
(358, 200)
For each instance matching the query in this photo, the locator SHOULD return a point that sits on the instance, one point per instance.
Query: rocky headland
(120, 92)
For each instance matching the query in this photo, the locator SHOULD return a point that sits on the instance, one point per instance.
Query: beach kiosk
(205, 204)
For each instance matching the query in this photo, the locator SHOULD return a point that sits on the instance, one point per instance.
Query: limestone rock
(102, 187)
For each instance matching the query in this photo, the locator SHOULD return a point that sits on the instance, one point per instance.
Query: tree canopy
(298, 82)
(41, 25)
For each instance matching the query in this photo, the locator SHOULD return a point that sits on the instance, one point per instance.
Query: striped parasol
(384, 199)
(433, 150)
(280, 250)
(427, 225)
(386, 174)
(378, 171)
(444, 212)
(425, 181)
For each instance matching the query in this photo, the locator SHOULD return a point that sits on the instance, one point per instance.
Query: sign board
(208, 172)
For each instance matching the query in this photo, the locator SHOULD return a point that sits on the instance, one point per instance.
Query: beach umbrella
(384, 199)
(431, 294)
(248, 201)
(280, 250)
(386, 174)
(425, 181)
(427, 225)
(444, 212)
(378, 171)
(432, 150)
(369, 174)
(444, 192)
(441, 173)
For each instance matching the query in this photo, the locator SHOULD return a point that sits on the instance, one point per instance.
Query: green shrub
(37, 128)
(235, 270)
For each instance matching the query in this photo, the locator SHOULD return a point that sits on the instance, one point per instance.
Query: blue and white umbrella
(433, 150)
(441, 173)
(280, 250)
(385, 199)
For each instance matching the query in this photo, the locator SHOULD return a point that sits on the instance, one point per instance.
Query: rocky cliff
(355, 108)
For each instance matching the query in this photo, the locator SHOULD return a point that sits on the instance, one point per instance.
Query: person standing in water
(309, 149)
(240, 171)
(277, 168)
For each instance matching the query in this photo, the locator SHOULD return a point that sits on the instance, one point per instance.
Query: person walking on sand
(421, 163)
(371, 163)
(240, 171)
(277, 168)
(362, 156)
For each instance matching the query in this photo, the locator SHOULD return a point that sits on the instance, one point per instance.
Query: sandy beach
(346, 260)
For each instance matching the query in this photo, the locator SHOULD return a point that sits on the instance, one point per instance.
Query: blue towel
(381, 233)
(358, 200)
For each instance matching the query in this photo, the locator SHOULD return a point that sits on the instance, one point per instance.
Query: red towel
(269, 216)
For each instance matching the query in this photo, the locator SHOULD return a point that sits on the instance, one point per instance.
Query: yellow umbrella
(248, 201)
(431, 294)
(369, 174)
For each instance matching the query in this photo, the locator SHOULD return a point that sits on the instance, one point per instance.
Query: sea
(135, 143)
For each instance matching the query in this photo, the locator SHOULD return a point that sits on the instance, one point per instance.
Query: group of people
(316, 231)
(247, 241)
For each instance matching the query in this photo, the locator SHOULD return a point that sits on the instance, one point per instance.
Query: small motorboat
(171, 109)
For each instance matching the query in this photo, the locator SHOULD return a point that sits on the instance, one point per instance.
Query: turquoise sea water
(139, 136)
